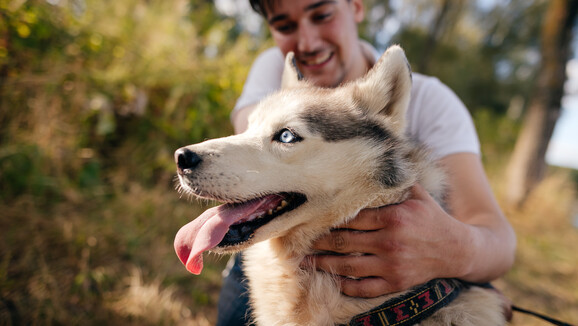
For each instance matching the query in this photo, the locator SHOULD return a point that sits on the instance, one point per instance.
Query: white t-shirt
(435, 116)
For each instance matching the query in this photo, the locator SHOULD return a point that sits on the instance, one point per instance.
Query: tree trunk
(527, 164)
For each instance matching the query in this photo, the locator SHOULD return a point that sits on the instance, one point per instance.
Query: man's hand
(393, 248)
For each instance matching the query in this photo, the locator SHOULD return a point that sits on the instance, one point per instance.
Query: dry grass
(102, 262)
(545, 276)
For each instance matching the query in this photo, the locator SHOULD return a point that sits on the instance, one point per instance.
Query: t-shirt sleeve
(263, 79)
(439, 119)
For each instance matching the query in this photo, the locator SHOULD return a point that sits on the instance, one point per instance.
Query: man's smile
(317, 61)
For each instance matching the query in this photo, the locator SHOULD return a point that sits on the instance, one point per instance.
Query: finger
(370, 287)
(417, 191)
(371, 219)
(347, 242)
(368, 219)
(389, 216)
(347, 266)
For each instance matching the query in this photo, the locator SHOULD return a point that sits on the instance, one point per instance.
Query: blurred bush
(96, 94)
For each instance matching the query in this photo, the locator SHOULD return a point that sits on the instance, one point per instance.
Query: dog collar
(412, 307)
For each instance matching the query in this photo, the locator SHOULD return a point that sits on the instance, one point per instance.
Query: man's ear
(292, 77)
(386, 88)
(358, 10)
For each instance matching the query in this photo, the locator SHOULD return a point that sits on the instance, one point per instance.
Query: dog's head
(310, 159)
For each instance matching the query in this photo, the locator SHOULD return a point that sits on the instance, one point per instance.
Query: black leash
(543, 317)
(522, 310)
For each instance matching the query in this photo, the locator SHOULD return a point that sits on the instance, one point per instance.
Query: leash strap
(543, 317)
(413, 307)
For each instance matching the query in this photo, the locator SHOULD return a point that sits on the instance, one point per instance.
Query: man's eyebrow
(277, 18)
(308, 8)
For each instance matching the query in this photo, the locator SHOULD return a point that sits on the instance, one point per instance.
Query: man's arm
(472, 202)
(415, 241)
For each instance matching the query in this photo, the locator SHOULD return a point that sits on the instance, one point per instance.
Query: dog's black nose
(186, 159)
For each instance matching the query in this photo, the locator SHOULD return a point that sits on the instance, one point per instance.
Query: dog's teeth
(280, 207)
(270, 212)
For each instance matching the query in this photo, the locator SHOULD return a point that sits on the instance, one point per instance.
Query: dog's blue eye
(287, 136)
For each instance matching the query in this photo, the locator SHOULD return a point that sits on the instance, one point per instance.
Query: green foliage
(101, 84)
(95, 96)
(486, 57)
(21, 171)
(497, 134)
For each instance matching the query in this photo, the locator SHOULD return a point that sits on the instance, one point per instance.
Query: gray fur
(345, 126)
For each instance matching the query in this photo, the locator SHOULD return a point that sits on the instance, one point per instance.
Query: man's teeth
(318, 60)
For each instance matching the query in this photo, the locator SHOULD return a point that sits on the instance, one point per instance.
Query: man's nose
(308, 38)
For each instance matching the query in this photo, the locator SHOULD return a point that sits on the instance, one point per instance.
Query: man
(405, 244)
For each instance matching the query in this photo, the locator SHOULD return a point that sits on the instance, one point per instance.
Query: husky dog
(310, 160)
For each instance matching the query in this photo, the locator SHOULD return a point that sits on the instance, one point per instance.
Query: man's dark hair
(260, 6)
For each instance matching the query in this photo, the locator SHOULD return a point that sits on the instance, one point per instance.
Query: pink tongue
(207, 230)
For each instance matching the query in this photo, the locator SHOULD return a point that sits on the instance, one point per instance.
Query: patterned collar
(412, 307)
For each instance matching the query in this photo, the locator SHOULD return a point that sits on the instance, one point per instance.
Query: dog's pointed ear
(386, 88)
(292, 77)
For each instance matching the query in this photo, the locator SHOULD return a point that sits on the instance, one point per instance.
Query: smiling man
(402, 245)
(322, 33)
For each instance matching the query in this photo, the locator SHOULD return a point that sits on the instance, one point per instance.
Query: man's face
(323, 35)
